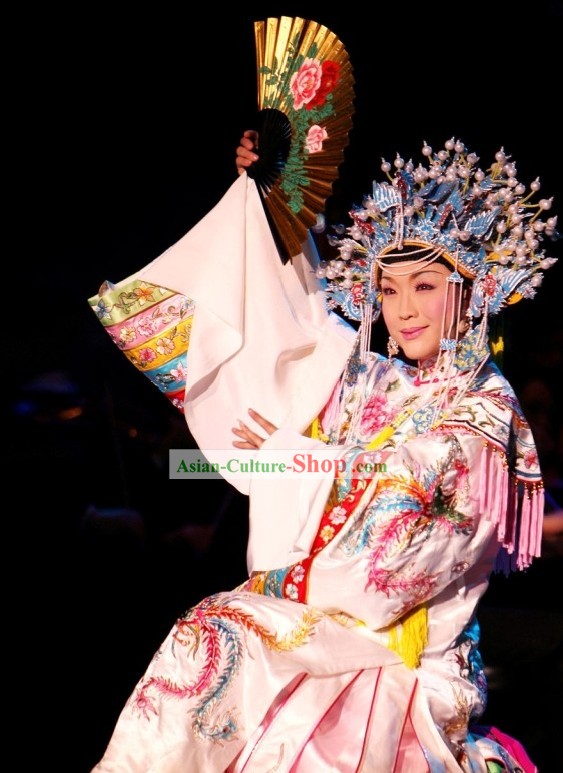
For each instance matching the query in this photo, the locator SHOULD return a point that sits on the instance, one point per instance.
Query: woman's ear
(465, 297)
(465, 320)
(462, 326)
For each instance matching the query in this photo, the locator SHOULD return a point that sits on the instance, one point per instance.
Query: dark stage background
(125, 129)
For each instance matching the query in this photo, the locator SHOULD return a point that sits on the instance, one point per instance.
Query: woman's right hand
(245, 151)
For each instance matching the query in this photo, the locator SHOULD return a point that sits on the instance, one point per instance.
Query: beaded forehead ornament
(484, 224)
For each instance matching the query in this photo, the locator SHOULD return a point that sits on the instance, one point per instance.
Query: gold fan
(305, 102)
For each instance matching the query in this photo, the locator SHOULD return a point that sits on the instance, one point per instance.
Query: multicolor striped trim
(151, 325)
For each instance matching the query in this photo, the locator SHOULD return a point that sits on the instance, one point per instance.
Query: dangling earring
(392, 347)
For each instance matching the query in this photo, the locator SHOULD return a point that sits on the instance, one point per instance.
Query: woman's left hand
(248, 438)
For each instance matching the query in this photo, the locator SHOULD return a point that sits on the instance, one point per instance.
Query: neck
(428, 372)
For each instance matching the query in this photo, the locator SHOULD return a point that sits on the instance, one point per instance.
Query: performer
(354, 644)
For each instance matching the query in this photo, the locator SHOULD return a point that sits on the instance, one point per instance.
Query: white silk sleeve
(285, 510)
(262, 336)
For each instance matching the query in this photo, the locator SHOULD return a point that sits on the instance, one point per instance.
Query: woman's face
(413, 306)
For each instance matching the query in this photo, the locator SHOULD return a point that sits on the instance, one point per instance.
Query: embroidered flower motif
(164, 345)
(291, 592)
(143, 294)
(179, 373)
(102, 311)
(127, 334)
(424, 418)
(147, 327)
(327, 533)
(146, 356)
(375, 415)
(298, 573)
(337, 516)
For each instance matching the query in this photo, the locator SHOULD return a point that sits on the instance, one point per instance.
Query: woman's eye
(424, 286)
(387, 290)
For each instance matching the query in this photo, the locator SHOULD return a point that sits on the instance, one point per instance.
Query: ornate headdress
(484, 224)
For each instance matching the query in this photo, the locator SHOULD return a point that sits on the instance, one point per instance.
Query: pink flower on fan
(329, 79)
(305, 82)
(315, 137)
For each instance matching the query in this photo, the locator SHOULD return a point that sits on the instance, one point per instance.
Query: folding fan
(305, 103)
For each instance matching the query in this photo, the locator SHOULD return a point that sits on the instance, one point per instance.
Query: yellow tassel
(380, 438)
(315, 432)
(314, 429)
(414, 636)
(388, 431)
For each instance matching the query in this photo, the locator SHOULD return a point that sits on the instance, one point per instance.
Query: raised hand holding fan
(305, 101)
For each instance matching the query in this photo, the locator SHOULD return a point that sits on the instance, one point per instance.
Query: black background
(122, 134)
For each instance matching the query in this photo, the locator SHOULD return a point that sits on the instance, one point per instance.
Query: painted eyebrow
(414, 275)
